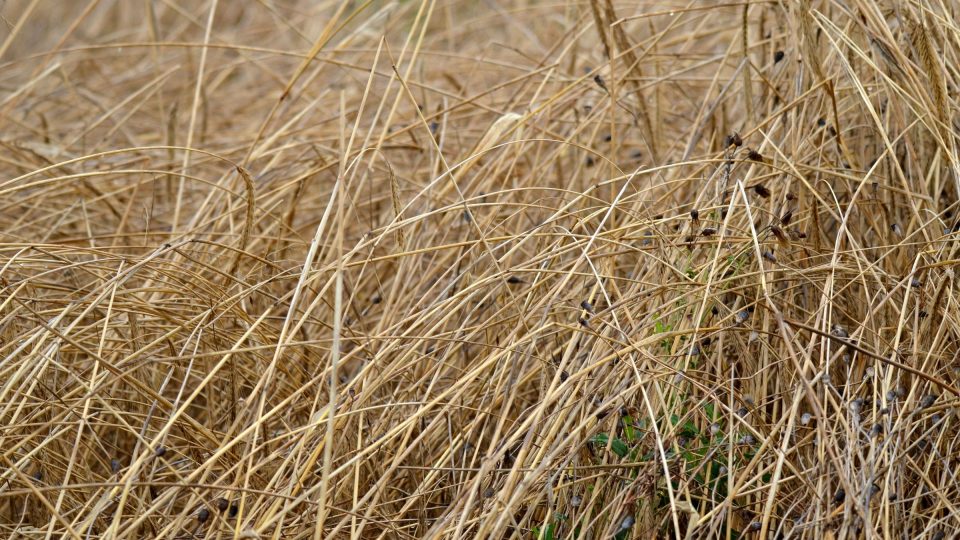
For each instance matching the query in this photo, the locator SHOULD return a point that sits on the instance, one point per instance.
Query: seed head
(786, 218)
(778, 56)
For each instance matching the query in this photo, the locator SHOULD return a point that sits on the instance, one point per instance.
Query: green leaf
(546, 534)
(619, 447)
(628, 431)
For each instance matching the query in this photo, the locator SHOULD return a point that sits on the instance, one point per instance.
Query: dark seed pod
(821, 121)
(234, 510)
(777, 57)
(915, 283)
(786, 218)
(753, 155)
(761, 190)
(781, 237)
(160, 451)
(599, 80)
(513, 280)
(839, 496)
(583, 322)
(222, 504)
(928, 400)
(203, 515)
(768, 255)
(564, 376)
(708, 231)
(587, 306)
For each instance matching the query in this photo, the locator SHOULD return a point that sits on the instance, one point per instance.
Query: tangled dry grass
(500, 269)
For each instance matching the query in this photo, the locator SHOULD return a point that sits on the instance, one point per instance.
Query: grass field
(529, 269)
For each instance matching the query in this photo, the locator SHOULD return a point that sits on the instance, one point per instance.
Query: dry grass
(500, 269)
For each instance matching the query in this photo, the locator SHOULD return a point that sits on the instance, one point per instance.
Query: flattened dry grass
(506, 269)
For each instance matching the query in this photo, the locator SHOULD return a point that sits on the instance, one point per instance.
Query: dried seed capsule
(778, 56)
(780, 236)
(753, 155)
(203, 515)
(786, 217)
(761, 190)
